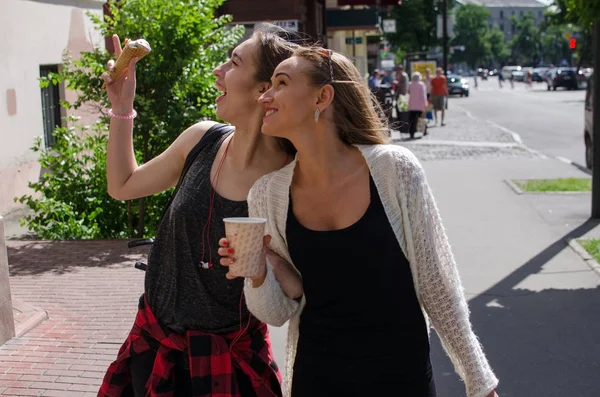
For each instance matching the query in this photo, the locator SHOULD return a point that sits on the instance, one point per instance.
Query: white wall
(33, 33)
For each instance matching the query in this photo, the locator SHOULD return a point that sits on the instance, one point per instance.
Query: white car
(507, 71)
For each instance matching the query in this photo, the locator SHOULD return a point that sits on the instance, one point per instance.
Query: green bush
(175, 89)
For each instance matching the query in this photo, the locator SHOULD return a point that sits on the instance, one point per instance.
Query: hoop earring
(317, 114)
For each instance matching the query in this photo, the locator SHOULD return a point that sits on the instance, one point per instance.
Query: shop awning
(363, 19)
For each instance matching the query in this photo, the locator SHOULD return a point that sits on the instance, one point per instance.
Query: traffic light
(572, 43)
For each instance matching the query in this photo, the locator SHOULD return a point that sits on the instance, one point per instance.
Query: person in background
(417, 101)
(427, 81)
(374, 81)
(401, 81)
(439, 94)
(387, 79)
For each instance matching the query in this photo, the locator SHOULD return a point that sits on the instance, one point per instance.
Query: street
(548, 121)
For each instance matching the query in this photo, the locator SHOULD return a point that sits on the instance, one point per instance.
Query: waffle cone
(133, 49)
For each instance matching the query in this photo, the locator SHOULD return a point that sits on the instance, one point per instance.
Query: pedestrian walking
(439, 94)
(193, 334)
(500, 78)
(402, 81)
(358, 255)
(427, 81)
(417, 102)
(374, 80)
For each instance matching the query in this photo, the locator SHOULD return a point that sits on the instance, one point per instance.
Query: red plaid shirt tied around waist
(212, 359)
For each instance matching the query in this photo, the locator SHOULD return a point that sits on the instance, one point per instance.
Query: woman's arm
(127, 180)
(439, 284)
(273, 297)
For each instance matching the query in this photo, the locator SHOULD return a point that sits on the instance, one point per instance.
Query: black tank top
(183, 294)
(362, 331)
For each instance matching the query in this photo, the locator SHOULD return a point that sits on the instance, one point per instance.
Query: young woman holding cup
(357, 220)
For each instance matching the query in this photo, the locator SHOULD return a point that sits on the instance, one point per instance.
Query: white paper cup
(245, 236)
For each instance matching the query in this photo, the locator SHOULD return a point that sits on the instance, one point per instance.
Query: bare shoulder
(191, 136)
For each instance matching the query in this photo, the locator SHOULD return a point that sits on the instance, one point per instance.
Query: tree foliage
(416, 25)
(580, 14)
(525, 45)
(175, 89)
(472, 31)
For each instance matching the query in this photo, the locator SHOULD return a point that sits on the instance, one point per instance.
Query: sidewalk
(534, 302)
(90, 291)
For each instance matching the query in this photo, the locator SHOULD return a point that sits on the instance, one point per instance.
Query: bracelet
(129, 116)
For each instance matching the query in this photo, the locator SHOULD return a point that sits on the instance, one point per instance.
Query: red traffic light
(572, 43)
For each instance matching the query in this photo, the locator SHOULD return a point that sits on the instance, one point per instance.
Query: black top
(183, 294)
(362, 331)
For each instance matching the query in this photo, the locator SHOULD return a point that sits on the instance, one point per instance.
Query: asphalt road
(548, 121)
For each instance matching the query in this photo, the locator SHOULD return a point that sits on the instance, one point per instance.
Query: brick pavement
(90, 291)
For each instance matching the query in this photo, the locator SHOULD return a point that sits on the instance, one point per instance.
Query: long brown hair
(275, 45)
(357, 115)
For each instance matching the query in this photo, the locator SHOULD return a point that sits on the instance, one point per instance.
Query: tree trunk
(142, 200)
(141, 223)
(130, 227)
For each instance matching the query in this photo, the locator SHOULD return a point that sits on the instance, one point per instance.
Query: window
(501, 14)
(521, 14)
(502, 27)
(514, 28)
(50, 106)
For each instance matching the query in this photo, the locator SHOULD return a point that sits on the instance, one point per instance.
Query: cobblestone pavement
(454, 152)
(90, 291)
(464, 137)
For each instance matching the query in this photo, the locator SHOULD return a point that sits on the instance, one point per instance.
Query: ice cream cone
(134, 49)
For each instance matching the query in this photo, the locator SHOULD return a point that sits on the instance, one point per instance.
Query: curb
(574, 164)
(518, 190)
(587, 258)
(27, 317)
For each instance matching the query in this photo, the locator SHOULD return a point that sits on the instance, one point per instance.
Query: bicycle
(139, 243)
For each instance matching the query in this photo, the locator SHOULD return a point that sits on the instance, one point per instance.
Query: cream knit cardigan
(413, 214)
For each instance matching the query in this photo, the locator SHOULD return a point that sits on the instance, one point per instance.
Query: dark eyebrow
(283, 73)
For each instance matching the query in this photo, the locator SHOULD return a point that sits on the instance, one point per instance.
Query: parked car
(588, 131)
(507, 71)
(569, 78)
(539, 74)
(457, 85)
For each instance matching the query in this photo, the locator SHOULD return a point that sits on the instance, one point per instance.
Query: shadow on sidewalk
(27, 258)
(539, 343)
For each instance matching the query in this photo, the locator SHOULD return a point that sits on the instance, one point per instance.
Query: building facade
(35, 34)
(305, 16)
(501, 12)
(354, 29)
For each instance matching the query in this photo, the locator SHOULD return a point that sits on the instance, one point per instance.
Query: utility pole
(596, 124)
(445, 35)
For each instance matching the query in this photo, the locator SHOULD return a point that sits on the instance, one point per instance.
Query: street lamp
(445, 36)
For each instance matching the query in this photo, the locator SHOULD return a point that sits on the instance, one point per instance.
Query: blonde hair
(357, 115)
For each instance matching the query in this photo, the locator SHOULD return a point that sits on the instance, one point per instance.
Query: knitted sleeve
(439, 283)
(268, 302)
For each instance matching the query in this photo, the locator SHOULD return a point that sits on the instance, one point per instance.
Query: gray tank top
(182, 293)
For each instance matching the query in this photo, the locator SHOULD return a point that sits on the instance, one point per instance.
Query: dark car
(588, 131)
(457, 85)
(569, 78)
